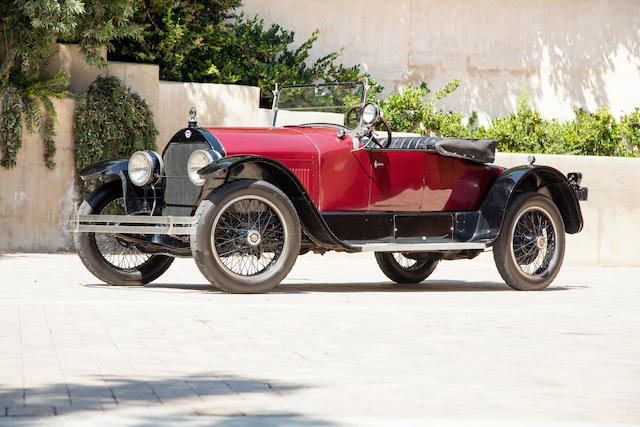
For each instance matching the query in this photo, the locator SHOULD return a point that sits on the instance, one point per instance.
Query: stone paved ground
(337, 344)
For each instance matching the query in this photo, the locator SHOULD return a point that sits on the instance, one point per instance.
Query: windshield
(336, 103)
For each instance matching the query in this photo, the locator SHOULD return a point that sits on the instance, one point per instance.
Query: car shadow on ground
(305, 287)
(101, 394)
(427, 286)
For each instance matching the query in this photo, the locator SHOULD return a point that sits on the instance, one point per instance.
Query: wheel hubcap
(254, 238)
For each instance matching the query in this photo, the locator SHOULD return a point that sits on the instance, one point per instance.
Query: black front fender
(104, 168)
(541, 179)
(134, 197)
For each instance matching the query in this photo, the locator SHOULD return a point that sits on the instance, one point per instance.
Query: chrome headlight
(370, 114)
(197, 160)
(145, 167)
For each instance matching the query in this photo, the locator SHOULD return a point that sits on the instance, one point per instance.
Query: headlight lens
(145, 167)
(370, 114)
(198, 160)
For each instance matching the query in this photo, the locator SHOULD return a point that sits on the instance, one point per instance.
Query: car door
(397, 180)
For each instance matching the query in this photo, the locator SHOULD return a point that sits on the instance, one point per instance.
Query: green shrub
(597, 134)
(111, 121)
(28, 31)
(630, 131)
(205, 42)
(412, 110)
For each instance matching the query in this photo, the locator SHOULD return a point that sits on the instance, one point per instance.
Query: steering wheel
(351, 111)
(388, 129)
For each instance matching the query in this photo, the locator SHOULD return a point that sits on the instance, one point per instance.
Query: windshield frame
(276, 94)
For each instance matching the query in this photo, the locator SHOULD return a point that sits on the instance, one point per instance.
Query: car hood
(287, 143)
(279, 143)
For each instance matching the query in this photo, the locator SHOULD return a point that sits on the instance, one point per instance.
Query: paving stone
(30, 411)
(336, 340)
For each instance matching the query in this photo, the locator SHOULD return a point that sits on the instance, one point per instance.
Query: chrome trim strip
(416, 247)
(139, 219)
(171, 225)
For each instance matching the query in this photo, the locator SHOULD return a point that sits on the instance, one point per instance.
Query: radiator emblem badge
(187, 133)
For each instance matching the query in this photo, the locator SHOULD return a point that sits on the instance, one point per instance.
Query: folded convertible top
(476, 150)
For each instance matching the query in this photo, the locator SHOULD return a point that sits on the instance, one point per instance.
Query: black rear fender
(541, 179)
(233, 168)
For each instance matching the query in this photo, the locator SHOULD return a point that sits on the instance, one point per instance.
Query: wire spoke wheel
(108, 256)
(534, 241)
(406, 267)
(407, 263)
(530, 248)
(248, 236)
(121, 254)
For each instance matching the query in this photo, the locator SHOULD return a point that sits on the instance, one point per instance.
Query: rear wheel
(247, 238)
(530, 248)
(402, 267)
(110, 258)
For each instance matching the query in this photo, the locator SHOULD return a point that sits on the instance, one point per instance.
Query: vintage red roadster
(245, 202)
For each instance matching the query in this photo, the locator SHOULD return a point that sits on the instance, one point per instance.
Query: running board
(171, 225)
(416, 247)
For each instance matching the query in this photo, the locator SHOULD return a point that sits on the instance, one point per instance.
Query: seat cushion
(476, 150)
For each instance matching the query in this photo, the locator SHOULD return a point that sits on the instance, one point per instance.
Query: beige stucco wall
(611, 234)
(36, 201)
(216, 105)
(564, 53)
(69, 59)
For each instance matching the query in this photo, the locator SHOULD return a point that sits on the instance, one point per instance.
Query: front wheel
(247, 237)
(411, 267)
(110, 258)
(530, 248)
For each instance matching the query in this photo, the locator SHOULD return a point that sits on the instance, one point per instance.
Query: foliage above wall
(598, 134)
(111, 121)
(28, 31)
(205, 42)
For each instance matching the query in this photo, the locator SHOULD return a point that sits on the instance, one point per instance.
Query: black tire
(108, 258)
(249, 254)
(530, 248)
(406, 269)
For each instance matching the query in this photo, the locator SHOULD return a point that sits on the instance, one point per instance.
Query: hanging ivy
(30, 101)
(111, 121)
(10, 127)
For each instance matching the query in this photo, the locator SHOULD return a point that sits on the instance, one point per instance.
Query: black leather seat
(476, 150)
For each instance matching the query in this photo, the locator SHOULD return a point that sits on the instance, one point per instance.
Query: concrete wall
(216, 105)
(566, 54)
(36, 201)
(611, 234)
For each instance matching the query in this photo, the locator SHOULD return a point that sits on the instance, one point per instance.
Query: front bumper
(133, 224)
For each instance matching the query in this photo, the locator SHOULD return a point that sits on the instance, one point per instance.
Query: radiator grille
(179, 193)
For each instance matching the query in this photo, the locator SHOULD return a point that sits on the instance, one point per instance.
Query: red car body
(339, 179)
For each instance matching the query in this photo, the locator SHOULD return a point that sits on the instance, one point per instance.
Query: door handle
(377, 164)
